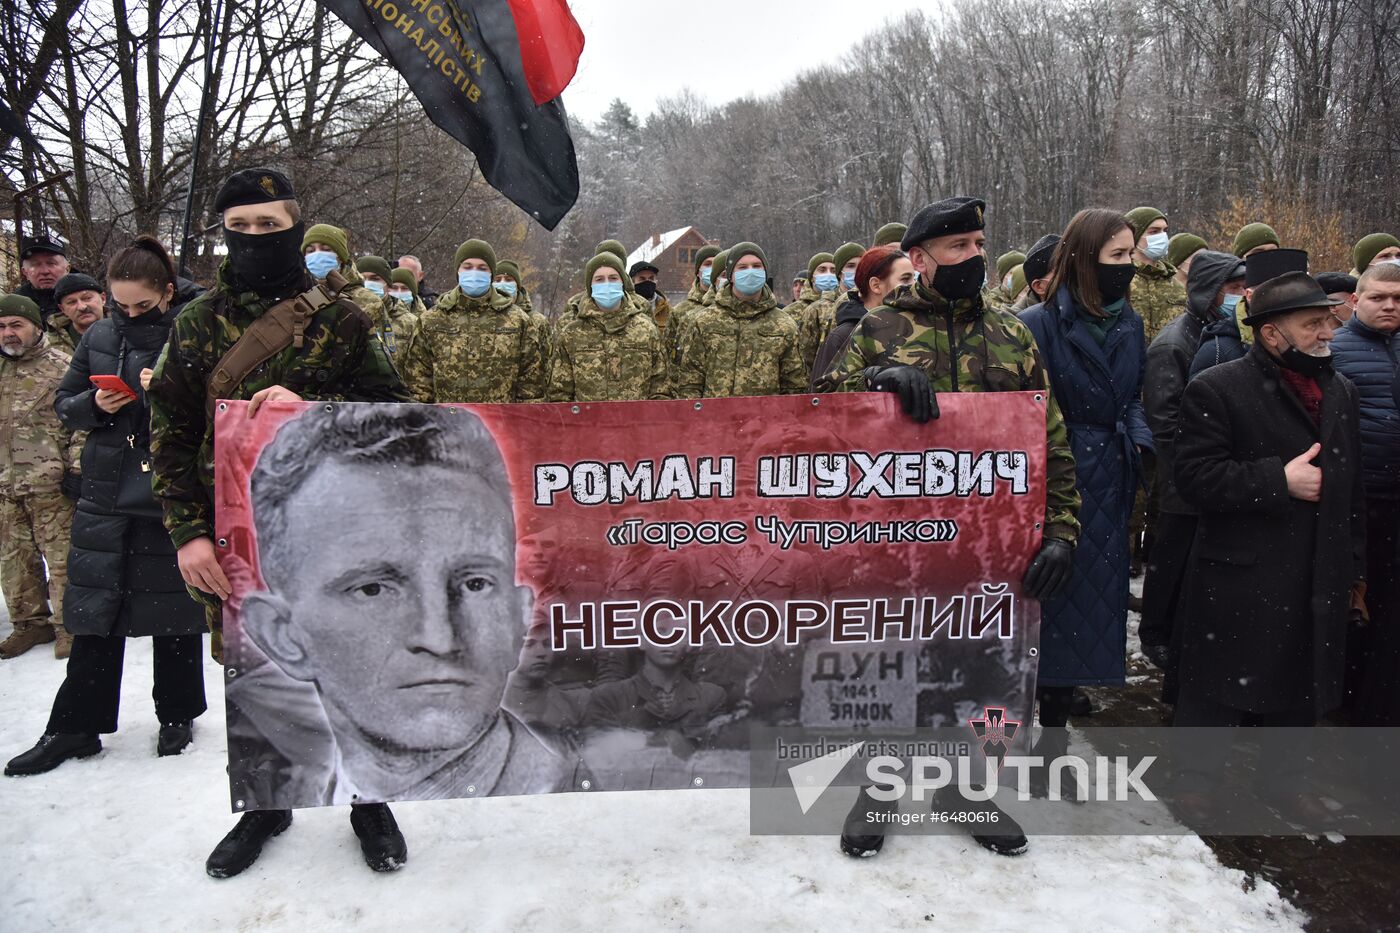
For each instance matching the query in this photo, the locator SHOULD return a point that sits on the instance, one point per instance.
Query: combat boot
(244, 843)
(381, 843)
(22, 639)
(52, 750)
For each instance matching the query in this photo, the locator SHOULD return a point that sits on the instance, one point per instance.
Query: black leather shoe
(244, 843)
(52, 750)
(862, 836)
(174, 738)
(381, 842)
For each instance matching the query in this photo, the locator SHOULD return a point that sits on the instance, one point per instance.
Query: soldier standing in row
(338, 357)
(937, 335)
(818, 317)
(39, 460)
(476, 344)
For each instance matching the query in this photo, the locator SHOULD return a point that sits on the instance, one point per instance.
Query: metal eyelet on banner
(1037, 526)
(330, 407)
(816, 402)
(239, 804)
(223, 542)
(698, 406)
(1039, 397)
(223, 406)
(1034, 652)
(231, 673)
(471, 788)
(574, 409)
(586, 785)
(699, 782)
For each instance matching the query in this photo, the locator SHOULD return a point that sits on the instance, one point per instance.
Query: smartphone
(112, 384)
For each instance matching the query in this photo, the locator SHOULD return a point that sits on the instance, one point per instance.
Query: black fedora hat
(1271, 263)
(1292, 291)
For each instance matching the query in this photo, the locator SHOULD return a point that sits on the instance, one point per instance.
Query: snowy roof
(653, 247)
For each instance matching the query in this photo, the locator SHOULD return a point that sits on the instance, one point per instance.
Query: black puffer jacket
(122, 575)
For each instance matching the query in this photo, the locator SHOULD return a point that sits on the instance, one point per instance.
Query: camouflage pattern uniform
(1028, 300)
(966, 347)
(1157, 296)
(809, 294)
(682, 315)
(62, 334)
(608, 356)
(816, 320)
(341, 360)
(740, 348)
(522, 301)
(396, 323)
(485, 349)
(35, 452)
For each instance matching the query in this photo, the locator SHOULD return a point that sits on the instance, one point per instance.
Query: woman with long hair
(1093, 346)
(123, 579)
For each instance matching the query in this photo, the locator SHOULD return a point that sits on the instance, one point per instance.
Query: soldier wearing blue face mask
(326, 249)
(743, 344)
(1157, 296)
(476, 344)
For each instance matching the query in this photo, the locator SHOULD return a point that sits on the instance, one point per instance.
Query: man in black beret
(337, 357)
(1036, 269)
(938, 334)
(43, 260)
(1269, 453)
(81, 304)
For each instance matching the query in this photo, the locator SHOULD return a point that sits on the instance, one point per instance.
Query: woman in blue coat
(1092, 343)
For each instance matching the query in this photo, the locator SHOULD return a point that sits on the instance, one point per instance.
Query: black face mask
(963, 280)
(1302, 363)
(1114, 280)
(646, 289)
(268, 263)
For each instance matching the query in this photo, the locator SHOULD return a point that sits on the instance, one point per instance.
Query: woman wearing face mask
(610, 350)
(744, 344)
(878, 273)
(1093, 346)
(123, 578)
(326, 249)
(475, 344)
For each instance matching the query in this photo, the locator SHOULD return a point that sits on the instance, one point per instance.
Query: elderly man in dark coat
(1269, 453)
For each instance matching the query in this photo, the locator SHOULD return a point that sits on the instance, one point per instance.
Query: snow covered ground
(117, 843)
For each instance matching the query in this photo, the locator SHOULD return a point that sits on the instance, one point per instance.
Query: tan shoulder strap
(277, 328)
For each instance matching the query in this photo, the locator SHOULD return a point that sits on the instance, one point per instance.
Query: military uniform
(63, 336)
(740, 348)
(1157, 296)
(602, 356)
(967, 347)
(816, 321)
(341, 360)
(485, 349)
(36, 450)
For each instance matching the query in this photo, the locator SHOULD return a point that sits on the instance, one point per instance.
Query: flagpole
(205, 104)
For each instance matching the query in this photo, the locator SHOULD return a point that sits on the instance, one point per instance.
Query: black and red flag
(490, 73)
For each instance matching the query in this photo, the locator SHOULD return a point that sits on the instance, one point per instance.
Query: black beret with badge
(253, 186)
(947, 217)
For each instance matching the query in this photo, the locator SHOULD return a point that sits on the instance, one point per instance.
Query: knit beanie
(816, 261)
(508, 267)
(890, 233)
(19, 306)
(374, 265)
(1183, 246)
(612, 246)
(708, 251)
(1253, 236)
(720, 268)
(738, 251)
(475, 249)
(1008, 261)
(1368, 246)
(72, 283)
(1142, 217)
(326, 235)
(1018, 279)
(605, 258)
(844, 254)
(406, 278)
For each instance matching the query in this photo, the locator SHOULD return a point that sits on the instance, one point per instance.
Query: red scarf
(1308, 392)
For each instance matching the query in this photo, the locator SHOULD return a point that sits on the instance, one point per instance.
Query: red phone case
(112, 384)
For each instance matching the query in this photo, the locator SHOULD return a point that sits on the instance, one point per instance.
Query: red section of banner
(821, 562)
(550, 45)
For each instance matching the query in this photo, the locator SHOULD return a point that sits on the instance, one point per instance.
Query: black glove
(72, 485)
(911, 384)
(1049, 573)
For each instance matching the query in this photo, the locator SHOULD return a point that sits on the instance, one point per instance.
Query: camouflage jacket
(62, 334)
(1157, 297)
(396, 323)
(483, 349)
(35, 448)
(816, 321)
(967, 347)
(740, 348)
(341, 360)
(1027, 300)
(608, 356)
(681, 316)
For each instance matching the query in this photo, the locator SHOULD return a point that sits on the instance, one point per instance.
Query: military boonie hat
(947, 217)
(1292, 291)
(253, 186)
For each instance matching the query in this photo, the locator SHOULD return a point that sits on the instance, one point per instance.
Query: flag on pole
(489, 73)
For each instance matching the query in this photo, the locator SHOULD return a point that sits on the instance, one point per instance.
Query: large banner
(436, 601)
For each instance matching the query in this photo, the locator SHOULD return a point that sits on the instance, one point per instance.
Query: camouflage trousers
(34, 531)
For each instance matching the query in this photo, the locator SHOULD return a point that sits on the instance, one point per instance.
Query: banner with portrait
(441, 601)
